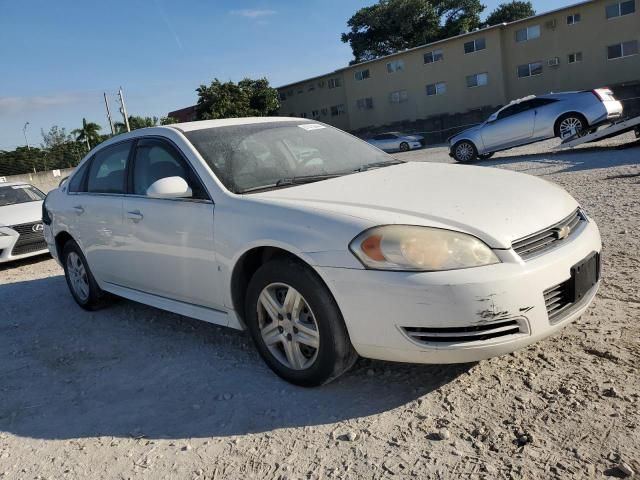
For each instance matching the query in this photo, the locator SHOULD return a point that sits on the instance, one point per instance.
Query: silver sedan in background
(535, 118)
(396, 141)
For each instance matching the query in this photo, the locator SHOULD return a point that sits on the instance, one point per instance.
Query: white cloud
(34, 103)
(253, 13)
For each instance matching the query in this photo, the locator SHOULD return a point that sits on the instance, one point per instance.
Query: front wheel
(404, 147)
(465, 151)
(80, 280)
(296, 324)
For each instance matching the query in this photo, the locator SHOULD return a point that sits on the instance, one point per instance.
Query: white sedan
(21, 229)
(396, 141)
(323, 256)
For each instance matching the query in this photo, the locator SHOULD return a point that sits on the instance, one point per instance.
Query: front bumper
(8, 250)
(380, 308)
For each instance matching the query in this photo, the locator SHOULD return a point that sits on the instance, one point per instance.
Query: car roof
(13, 184)
(227, 122)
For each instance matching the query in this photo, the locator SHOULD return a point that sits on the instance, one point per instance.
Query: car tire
(486, 156)
(404, 147)
(80, 280)
(302, 337)
(569, 122)
(465, 151)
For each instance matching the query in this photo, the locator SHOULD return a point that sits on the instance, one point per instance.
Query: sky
(58, 57)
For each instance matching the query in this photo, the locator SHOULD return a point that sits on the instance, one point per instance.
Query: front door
(169, 244)
(513, 126)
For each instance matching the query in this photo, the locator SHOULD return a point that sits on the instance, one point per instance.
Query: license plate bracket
(584, 276)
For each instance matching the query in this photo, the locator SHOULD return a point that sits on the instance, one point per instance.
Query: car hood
(20, 213)
(496, 205)
(466, 131)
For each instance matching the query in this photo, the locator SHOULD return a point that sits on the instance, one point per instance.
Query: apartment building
(583, 46)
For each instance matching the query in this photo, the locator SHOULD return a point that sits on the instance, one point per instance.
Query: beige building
(583, 46)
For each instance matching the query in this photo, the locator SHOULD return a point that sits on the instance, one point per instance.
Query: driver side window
(156, 159)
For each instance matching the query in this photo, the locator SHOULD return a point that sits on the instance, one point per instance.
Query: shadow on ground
(132, 370)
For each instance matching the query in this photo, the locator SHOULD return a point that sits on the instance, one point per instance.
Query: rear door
(513, 126)
(169, 242)
(95, 212)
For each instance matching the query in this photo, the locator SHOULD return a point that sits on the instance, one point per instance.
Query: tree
(168, 121)
(510, 12)
(54, 137)
(393, 25)
(135, 123)
(88, 133)
(230, 100)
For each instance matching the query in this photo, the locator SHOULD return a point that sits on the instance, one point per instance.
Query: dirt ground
(135, 392)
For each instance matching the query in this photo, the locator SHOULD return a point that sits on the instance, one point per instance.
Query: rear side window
(156, 159)
(108, 169)
(77, 181)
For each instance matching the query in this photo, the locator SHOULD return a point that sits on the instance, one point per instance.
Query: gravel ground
(135, 392)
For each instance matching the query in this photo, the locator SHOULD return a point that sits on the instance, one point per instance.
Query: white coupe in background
(21, 229)
(327, 255)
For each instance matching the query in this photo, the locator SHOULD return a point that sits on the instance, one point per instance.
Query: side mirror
(169, 187)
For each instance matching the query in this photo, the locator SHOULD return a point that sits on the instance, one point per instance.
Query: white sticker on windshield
(311, 126)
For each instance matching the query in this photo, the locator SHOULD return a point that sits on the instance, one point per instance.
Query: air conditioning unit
(550, 24)
(553, 62)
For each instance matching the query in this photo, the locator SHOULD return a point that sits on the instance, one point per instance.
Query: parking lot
(132, 392)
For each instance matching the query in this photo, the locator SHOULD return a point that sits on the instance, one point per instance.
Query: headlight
(406, 247)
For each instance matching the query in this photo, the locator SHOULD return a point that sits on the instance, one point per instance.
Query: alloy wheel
(78, 276)
(288, 326)
(464, 152)
(570, 126)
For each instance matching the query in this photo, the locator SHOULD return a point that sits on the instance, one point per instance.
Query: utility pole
(106, 104)
(24, 131)
(123, 109)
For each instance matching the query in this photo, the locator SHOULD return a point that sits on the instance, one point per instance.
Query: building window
(400, 96)
(475, 45)
(290, 93)
(439, 88)
(619, 9)
(362, 74)
(395, 66)
(282, 95)
(528, 33)
(624, 49)
(338, 110)
(530, 69)
(315, 113)
(574, 57)
(311, 88)
(364, 103)
(477, 80)
(334, 82)
(573, 19)
(435, 56)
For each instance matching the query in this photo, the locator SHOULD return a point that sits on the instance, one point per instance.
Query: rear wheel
(296, 324)
(570, 124)
(404, 147)
(465, 151)
(80, 280)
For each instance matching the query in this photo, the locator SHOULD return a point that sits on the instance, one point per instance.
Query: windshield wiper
(385, 163)
(289, 181)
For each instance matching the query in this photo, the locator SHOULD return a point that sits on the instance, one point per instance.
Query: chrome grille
(557, 299)
(550, 237)
(473, 333)
(29, 240)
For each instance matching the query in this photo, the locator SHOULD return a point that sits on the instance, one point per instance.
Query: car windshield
(260, 156)
(13, 194)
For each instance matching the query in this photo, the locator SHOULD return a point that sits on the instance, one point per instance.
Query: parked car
(531, 119)
(352, 253)
(396, 141)
(21, 229)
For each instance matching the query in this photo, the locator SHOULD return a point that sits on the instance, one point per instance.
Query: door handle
(79, 209)
(135, 215)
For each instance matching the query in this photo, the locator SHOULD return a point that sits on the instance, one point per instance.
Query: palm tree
(88, 133)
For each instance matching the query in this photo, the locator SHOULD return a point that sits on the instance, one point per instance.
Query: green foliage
(135, 123)
(510, 12)
(58, 150)
(247, 98)
(89, 133)
(168, 121)
(393, 25)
